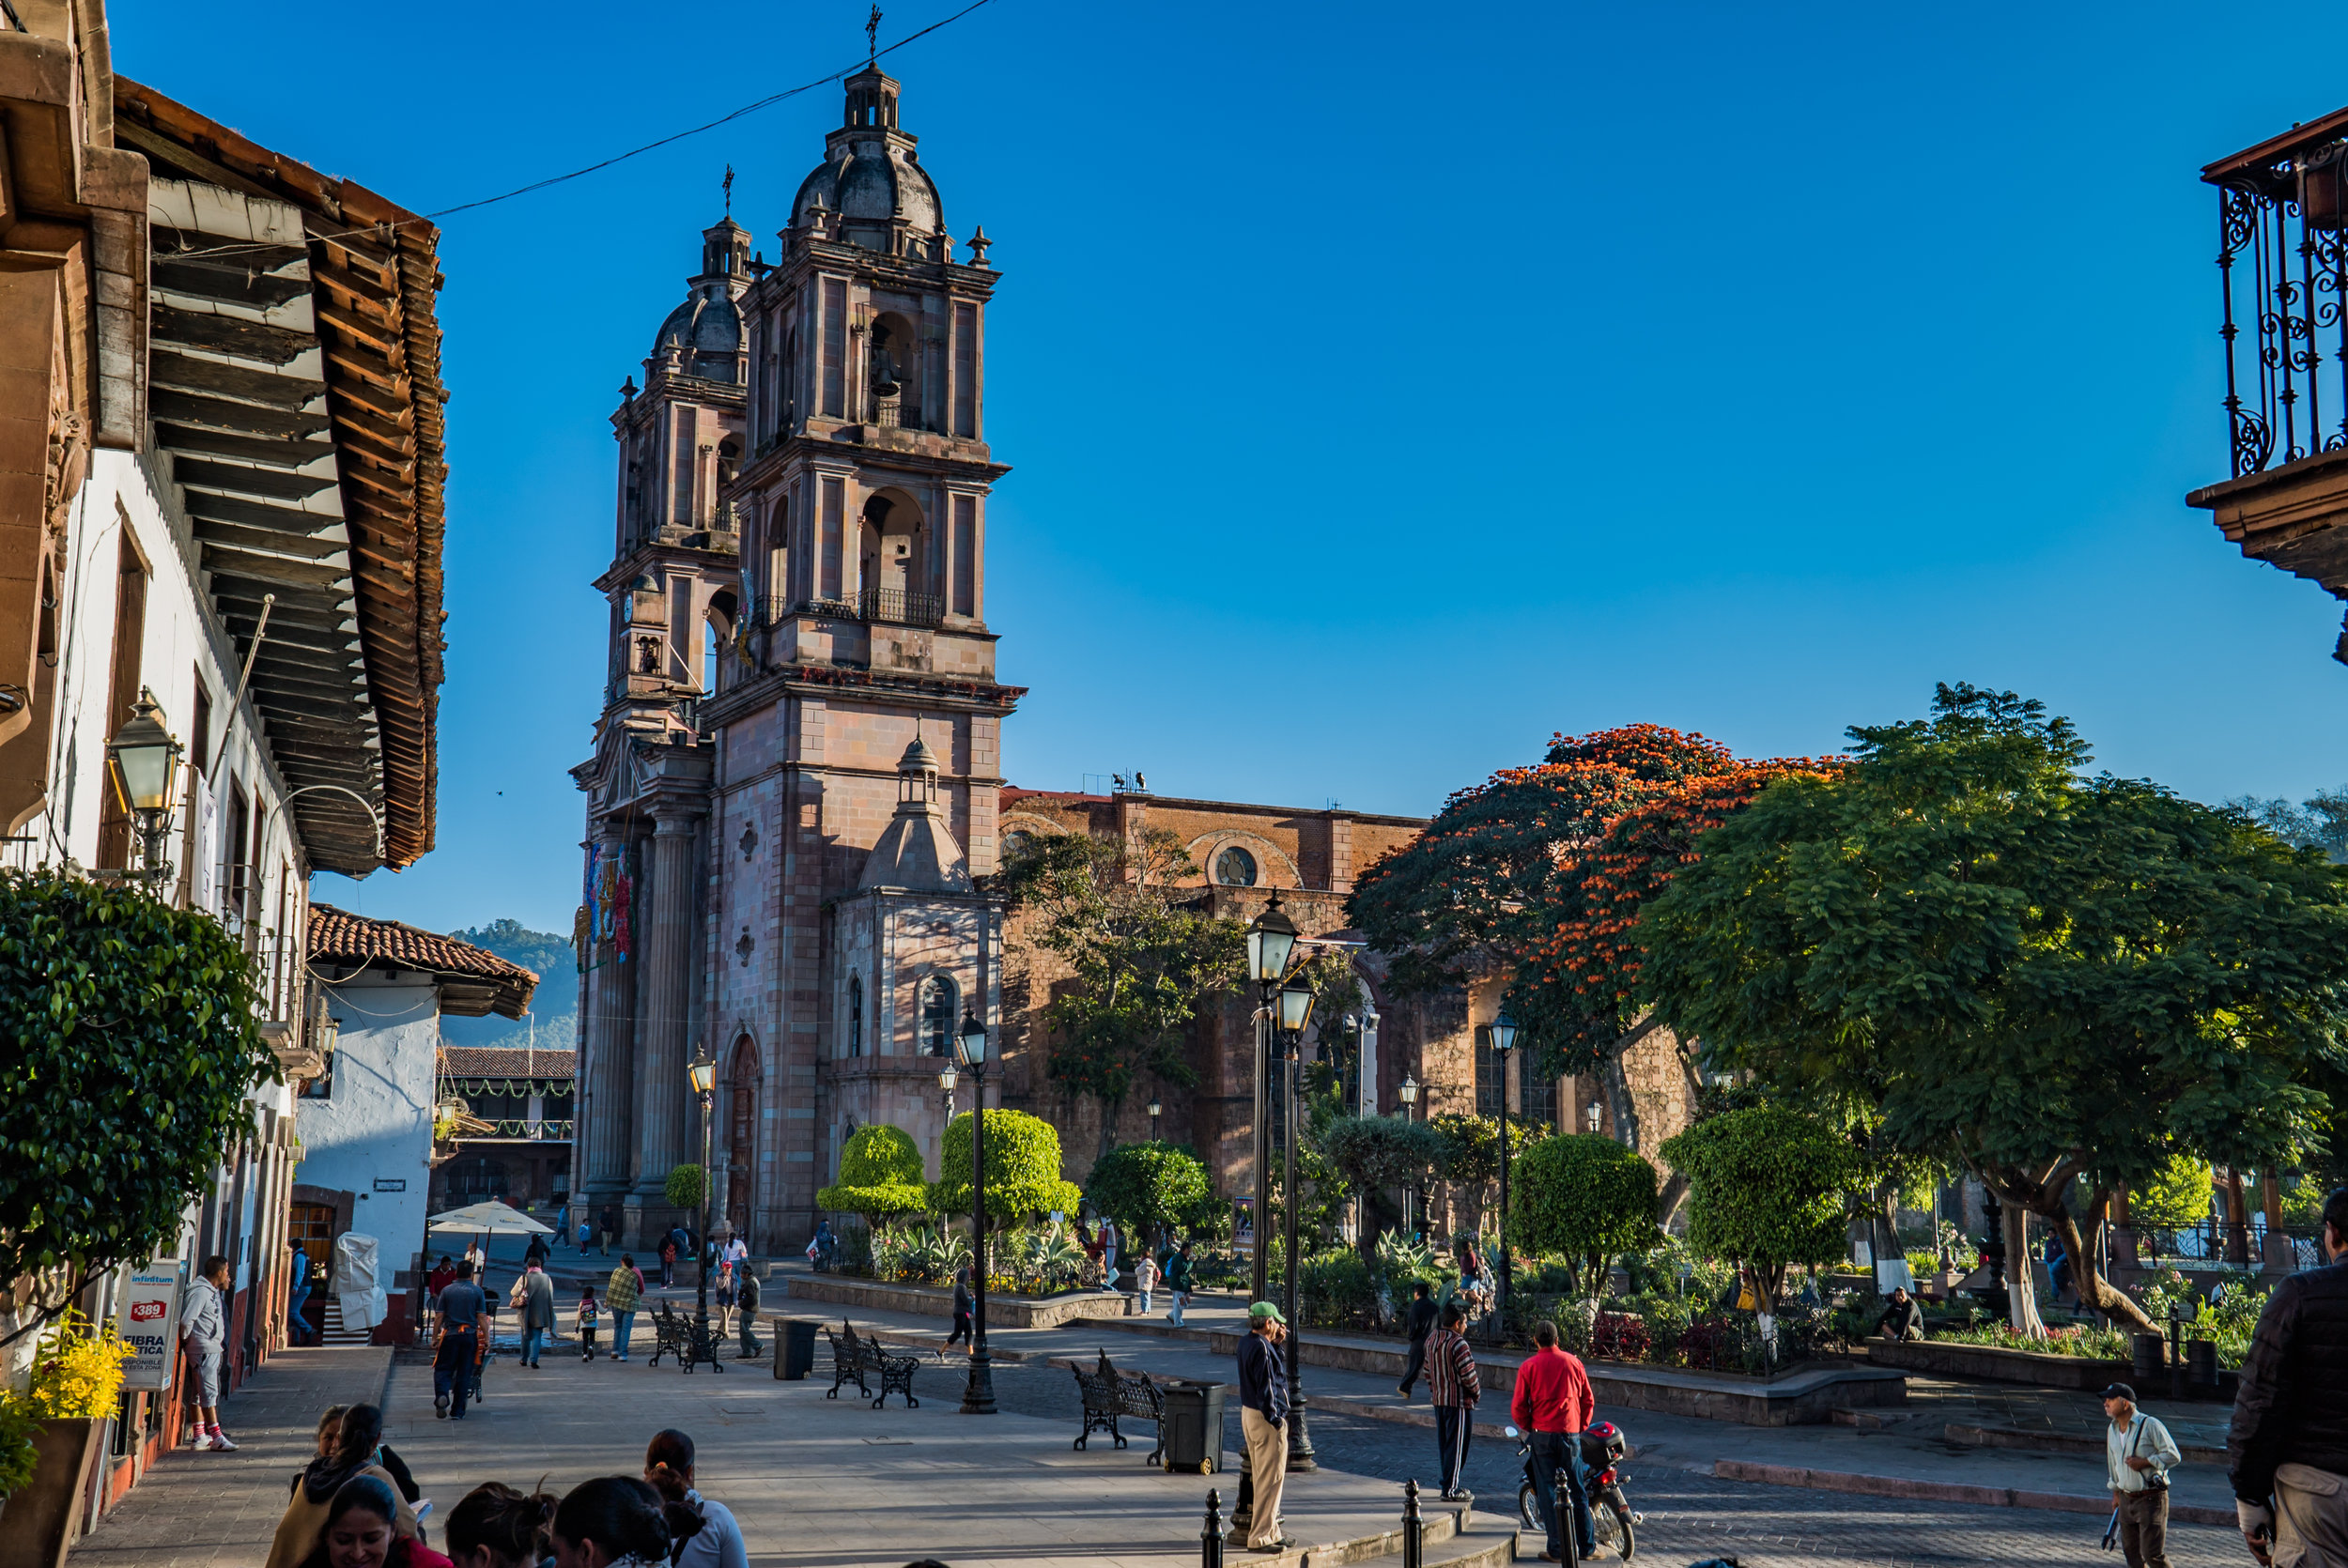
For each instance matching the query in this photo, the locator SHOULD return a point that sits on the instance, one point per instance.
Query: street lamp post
(146, 759)
(946, 1082)
(1154, 1109)
(1408, 1095)
(1296, 1010)
(1271, 944)
(1504, 1041)
(703, 1073)
(977, 1394)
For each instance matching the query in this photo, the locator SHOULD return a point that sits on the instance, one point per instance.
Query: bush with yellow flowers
(77, 1372)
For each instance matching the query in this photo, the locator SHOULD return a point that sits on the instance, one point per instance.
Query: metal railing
(889, 606)
(532, 1129)
(2283, 268)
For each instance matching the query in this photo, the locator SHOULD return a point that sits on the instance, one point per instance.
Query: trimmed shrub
(1022, 1169)
(1144, 1186)
(1584, 1197)
(684, 1188)
(1769, 1188)
(880, 1176)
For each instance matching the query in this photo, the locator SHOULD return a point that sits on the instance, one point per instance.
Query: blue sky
(1387, 386)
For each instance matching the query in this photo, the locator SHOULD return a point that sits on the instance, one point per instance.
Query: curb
(2060, 1442)
(1942, 1491)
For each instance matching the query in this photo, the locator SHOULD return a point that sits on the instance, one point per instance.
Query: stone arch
(1274, 866)
(893, 553)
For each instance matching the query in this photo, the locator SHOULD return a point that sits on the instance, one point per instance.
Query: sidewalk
(203, 1510)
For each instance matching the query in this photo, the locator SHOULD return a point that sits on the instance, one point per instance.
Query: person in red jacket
(1553, 1404)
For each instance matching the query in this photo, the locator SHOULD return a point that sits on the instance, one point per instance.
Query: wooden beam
(261, 449)
(168, 369)
(228, 334)
(252, 481)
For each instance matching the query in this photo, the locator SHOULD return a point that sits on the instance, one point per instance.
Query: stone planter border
(1002, 1312)
(1996, 1364)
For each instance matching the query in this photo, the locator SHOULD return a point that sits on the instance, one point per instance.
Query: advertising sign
(149, 1323)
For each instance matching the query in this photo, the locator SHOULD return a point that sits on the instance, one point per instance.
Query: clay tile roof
(474, 981)
(506, 1061)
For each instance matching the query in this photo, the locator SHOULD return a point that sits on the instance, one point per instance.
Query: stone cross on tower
(872, 36)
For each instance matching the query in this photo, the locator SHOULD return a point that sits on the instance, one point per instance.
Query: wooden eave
(373, 273)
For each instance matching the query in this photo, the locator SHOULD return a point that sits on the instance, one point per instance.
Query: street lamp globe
(1408, 1092)
(145, 756)
(1593, 1112)
(1503, 1034)
(1271, 943)
(1296, 1009)
(970, 1045)
(946, 1077)
(703, 1072)
(1154, 1109)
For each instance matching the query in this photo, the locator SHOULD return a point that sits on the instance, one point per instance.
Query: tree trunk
(2095, 1292)
(2021, 1286)
(1667, 1202)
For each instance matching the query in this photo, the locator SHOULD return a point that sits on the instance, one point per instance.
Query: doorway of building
(313, 1227)
(742, 1139)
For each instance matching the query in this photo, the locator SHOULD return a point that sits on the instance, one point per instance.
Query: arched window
(937, 1016)
(856, 1015)
(1235, 868)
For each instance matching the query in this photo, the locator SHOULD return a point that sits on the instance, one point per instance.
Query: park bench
(856, 1356)
(673, 1335)
(1109, 1394)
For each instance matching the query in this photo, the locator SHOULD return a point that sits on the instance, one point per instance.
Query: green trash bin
(795, 1347)
(1194, 1427)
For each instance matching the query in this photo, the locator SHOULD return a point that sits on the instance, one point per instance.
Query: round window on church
(1235, 868)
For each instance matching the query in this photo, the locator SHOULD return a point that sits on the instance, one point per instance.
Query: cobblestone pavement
(1691, 1516)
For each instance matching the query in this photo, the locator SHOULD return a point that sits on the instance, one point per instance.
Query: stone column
(666, 1112)
(608, 1032)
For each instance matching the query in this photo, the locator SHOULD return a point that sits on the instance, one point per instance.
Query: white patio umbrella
(488, 1218)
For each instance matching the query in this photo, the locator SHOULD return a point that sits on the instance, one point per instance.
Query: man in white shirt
(2137, 1452)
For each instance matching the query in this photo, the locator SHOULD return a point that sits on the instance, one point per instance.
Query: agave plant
(935, 1253)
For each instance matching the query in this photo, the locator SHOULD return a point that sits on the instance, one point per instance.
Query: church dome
(707, 323)
(918, 851)
(870, 181)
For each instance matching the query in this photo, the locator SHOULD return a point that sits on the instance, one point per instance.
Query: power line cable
(766, 103)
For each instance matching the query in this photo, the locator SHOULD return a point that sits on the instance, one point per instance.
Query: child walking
(587, 1315)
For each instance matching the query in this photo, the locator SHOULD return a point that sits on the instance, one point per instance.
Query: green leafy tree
(1583, 1195)
(2058, 982)
(685, 1188)
(130, 1047)
(880, 1176)
(1149, 1189)
(1374, 1155)
(1023, 1167)
(1769, 1188)
(2177, 1196)
(1470, 1156)
(1143, 960)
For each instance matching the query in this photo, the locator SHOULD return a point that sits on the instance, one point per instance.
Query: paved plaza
(816, 1480)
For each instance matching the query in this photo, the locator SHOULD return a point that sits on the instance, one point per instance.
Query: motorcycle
(1612, 1516)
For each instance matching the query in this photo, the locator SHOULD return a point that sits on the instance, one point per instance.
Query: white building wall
(377, 1124)
(182, 644)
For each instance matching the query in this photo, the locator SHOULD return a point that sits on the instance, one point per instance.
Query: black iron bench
(673, 1335)
(856, 1358)
(1109, 1395)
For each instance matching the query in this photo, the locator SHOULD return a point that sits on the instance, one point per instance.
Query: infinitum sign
(149, 1323)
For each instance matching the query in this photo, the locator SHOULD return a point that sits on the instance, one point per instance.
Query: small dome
(707, 323)
(918, 758)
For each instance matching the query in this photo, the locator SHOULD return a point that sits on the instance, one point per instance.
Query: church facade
(796, 794)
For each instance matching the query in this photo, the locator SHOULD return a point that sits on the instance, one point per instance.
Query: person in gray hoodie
(204, 1332)
(537, 1292)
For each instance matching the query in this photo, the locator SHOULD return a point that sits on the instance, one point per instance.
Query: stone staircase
(334, 1332)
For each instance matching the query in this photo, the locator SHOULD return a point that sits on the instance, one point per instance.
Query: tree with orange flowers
(1542, 872)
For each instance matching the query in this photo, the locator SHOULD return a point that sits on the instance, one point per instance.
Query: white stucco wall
(377, 1123)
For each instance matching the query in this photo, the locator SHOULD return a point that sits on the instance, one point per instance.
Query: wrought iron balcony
(887, 606)
(2282, 266)
(523, 1130)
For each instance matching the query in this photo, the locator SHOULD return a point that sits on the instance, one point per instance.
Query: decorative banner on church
(623, 898)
